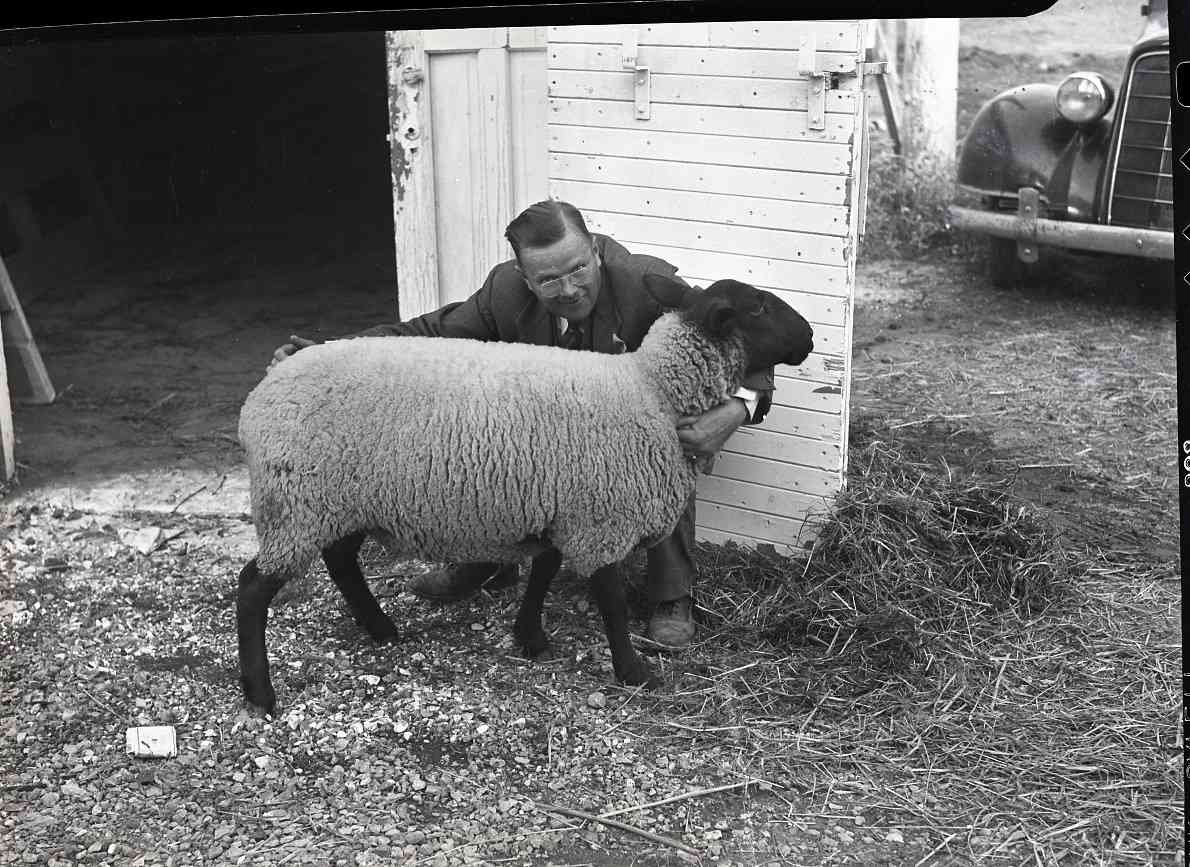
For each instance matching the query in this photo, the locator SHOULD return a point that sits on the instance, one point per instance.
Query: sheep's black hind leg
(528, 630)
(607, 585)
(342, 562)
(255, 593)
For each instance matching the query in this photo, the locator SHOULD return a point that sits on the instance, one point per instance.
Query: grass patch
(906, 206)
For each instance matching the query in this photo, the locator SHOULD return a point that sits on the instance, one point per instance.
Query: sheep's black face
(773, 332)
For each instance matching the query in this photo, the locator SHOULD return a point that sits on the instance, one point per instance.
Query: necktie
(573, 338)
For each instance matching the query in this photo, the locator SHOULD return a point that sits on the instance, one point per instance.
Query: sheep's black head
(772, 331)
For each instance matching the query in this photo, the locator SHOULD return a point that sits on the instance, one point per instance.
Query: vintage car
(1070, 165)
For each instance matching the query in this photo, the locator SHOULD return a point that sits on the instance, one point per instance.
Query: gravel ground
(451, 757)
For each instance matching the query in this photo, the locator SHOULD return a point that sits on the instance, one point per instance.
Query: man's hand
(287, 349)
(703, 435)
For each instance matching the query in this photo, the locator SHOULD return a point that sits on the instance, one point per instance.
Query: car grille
(1142, 191)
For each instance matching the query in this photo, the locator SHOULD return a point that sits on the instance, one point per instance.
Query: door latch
(641, 80)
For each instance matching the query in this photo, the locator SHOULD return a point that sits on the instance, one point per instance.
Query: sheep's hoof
(533, 641)
(638, 673)
(383, 632)
(262, 706)
(267, 710)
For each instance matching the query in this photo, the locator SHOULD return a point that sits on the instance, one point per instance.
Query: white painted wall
(727, 179)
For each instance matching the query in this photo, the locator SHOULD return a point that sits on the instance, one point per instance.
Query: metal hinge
(816, 92)
(641, 81)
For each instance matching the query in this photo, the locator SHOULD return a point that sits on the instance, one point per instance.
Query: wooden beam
(886, 84)
(16, 336)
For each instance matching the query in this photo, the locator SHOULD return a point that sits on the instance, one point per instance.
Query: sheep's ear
(719, 317)
(670, 293)
(659, 283)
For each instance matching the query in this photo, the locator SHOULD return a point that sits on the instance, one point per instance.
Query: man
(567, 287)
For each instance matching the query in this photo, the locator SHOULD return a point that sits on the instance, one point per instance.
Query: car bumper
(1148, 243)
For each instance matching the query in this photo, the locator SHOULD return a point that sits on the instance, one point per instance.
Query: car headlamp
(1084, 97)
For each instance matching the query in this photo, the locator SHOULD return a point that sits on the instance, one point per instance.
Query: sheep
(454, 449)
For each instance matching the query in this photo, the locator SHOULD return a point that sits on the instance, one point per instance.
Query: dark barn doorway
(172, 210)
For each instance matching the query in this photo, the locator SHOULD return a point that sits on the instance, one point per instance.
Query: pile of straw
(912, 566)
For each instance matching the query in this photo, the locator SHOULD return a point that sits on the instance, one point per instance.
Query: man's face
(565, 275)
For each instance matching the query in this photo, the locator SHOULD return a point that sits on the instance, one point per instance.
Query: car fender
(1018, 139)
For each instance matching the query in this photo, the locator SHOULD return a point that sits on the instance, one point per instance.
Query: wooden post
(414, 215)
(928, 74)
(883, 47)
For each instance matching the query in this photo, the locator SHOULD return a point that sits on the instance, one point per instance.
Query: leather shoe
(455, 583)
(672, 623)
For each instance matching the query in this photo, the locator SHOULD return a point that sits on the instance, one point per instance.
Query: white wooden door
(739, 165)
(467, 133)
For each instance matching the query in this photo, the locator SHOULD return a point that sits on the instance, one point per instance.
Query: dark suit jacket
(505, 309)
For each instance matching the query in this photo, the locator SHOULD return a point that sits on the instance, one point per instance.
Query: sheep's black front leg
(607, 585)
(342, 562)
(528, 630)
(255, 593)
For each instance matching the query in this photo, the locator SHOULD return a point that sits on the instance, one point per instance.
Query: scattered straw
(941, 643)
(622, 826)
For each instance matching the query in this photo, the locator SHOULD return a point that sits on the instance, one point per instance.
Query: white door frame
(411, 142)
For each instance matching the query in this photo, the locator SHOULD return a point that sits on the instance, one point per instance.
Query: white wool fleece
(462, 450)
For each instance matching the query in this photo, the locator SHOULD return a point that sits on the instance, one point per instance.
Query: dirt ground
(153, 343)
(1067, 30)
(1069, 388)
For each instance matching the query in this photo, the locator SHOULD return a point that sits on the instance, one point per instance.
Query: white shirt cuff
(750, 398)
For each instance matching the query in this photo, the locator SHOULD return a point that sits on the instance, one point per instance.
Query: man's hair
(543, 224)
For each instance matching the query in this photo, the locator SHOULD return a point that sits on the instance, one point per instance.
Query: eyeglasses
(554, 287)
